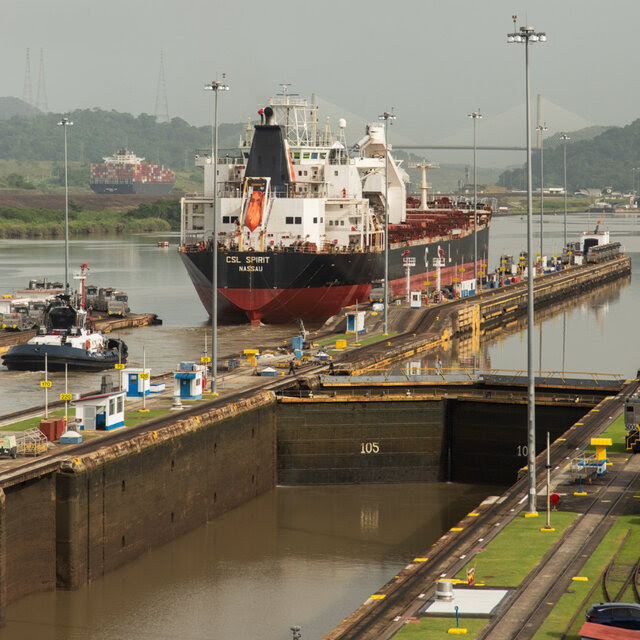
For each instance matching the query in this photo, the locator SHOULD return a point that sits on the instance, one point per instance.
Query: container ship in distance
(124, 172)
(300, 223)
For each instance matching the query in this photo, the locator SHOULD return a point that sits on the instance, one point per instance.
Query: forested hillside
(597, 157)
(606, 160)
(96, 133)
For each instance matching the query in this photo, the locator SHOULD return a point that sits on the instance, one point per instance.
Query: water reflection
(297, 555)
(305, 556)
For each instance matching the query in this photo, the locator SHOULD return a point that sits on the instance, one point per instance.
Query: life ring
(344, 193)
(87, 344)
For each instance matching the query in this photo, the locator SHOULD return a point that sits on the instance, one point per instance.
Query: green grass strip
(593, 569)
(135, 417)
(434, 628)
(505, 562)
(131, 418)
(514, 553)
(34, 422)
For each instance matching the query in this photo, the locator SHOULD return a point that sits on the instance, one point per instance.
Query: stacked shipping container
(126, 173)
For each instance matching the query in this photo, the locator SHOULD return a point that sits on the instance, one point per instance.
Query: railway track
(631, 578)
(404, 596)
(589, 530)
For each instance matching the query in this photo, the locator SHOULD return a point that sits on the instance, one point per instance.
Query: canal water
(303, 556)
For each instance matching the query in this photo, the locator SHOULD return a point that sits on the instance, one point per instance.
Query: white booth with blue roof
(100, 412)
(188, 381)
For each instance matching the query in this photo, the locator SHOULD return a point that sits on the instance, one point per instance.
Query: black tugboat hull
(31, 357)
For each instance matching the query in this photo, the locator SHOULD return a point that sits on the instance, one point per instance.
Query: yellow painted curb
(473, 515)
(420, 559)
(377, 596)
(579, 493)
(455, 529)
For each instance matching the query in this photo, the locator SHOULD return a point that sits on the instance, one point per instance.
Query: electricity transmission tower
(162, 106)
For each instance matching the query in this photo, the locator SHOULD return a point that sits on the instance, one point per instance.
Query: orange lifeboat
(253, 217)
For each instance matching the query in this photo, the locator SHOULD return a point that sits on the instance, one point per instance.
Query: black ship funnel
(269, 155)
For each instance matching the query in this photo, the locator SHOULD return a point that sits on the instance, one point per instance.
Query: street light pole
(64, 123)
(528, 35)
(564, 137)
(215, 86)
(475, 115)
(541, 128)
(386, 116)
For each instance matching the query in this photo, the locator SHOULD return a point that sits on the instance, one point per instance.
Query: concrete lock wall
(120, 502)
(401, 440)
(27, 539)
(489, 439)
(99, 511)
(360, 441)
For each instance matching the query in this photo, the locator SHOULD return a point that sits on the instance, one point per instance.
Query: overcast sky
(434, 61)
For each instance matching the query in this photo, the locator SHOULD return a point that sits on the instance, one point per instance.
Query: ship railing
(547, 381)
(199, 197)
(225, 156)
(295, 191)
(199, 243)
(344, 158)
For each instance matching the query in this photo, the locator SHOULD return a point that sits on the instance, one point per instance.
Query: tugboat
(64, 339)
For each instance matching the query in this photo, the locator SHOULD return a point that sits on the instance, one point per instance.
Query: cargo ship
(125, 172)
(301, 220)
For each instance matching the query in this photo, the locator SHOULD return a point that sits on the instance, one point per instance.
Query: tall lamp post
(475, 115)
(64, 123)
(527, 35)
(215, 86)
(541, 128)
(564, 137)
(386, 116)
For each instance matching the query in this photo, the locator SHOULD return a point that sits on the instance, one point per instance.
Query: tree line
(97, 133)
(608, 160)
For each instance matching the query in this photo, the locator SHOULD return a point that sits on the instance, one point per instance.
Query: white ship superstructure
(333, 197)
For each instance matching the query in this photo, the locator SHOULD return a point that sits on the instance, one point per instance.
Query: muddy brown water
(303, 556)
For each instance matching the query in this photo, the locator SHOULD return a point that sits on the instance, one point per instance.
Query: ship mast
(424, 185)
